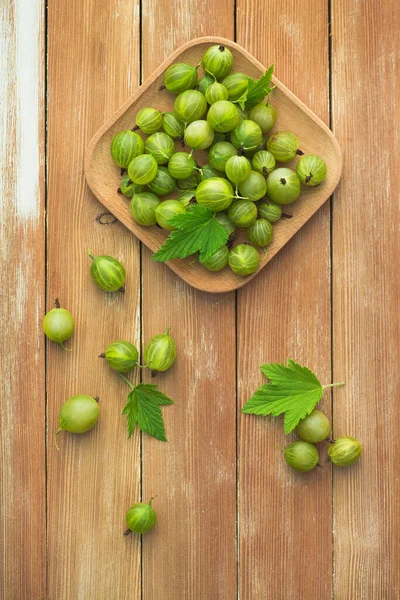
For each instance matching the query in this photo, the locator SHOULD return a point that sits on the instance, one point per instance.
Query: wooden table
(233, 521)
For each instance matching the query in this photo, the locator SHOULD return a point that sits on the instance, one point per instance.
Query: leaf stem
(332, 385)
(55, 437)
(127, 381)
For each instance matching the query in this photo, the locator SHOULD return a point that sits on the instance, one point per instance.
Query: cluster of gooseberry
(241, 182)
(303, 456)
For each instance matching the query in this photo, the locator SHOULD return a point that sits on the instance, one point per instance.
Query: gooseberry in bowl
(190, 183)
(237, 168)
(205, 83)
(270, 211)
(173, 126)
(180, 77)
(223, 116)
(199, 135)
(345, 451)
(128, 188)
(125, 146)
(301, 456)
(284, 145)
(143, 208)
(264, 115)
(77, 415)
(108, 273)
(314, 428)
(254, 187)
(244, 260)
(217, 261)
(166, 210)
(219, 154)
(149, 120)
(207, 171)
(216, 92)
(263, 162)
(142, 169)
(215, 194)
(160, 352)
(140, 518)
(161, 146)
(58, 324)
(121, 356)
(190, 106)
(311, 170)
(223, 218)
(243, 213)
(218, 61)
(163, 183)
(236, 84)
(260, 233)
(181, 165)
(283, 186)
(187, 198)
(247, 135)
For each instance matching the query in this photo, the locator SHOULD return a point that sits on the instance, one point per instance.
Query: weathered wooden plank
(285, 549)
(366, 296)
(22, 406)
(191, 553)
(93, 66)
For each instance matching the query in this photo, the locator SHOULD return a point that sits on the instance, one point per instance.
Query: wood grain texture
(366, 298)
(192, 552)
(285, 518)
(22, 392)
(96, 476)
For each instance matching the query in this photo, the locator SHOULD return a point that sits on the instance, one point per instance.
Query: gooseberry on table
(264, 115)
(284, 145)
(243, 213)
(270, 211)
(166, 210)
(314, 428)
(180, 77)
(244, 260)
(149, 120)
(301, 456)
(237, 168)
(263, 162)
(345, 451)
(218, 61)
(58, 324)
(140, 518)
(77, 415)
(121, 356)
(108, 273)
(143, 208)
(219, 154)
(311, 170)
(125, 146)
(260, 233)
(160, 352)
(217, 261)
(283, 186)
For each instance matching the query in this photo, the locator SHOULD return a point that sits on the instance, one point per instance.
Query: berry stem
(119, 191)
(127, 381)
(122, 290)
(90, 254)
(299, 152)
(64, 348)
(55, 438)
(286, 216)
(57, 303)
(102, 355)
(127, 532)
(332, 385)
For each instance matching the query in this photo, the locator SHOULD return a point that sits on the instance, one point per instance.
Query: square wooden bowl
(315, 138)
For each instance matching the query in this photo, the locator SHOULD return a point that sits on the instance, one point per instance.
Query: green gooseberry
(190, 183)
(180, 77)
(254, 187)
(223, 116)
(270, 211)
(218, 260)
(128, 188)
(166, 210)
(121, 356)
(199, 135)
(314, 428)
(311, 170)
(207, 171)
(215, 194)
(187, 198)
(143, 208)
(219, 154)
(58, 324)
(236, 84)
(244, 260)
(140, 518)
(251, 153)
(264, 115)
(345, 451)
(181, 165)
(162, 183)
(283, 186)
(173, 126)
(161, 146)
(160, 352)
(149, 120)
(125, 146)
(223, 219)
(142, 169)
(284, 145)
(301, 456)
(243, 213)
(260, 233)
(216, 92)
(218, 61)
(108, 273)
(77, 415)
(247, 135)
(205, 83)
(263, 162)
(238, 168)
(190, 106)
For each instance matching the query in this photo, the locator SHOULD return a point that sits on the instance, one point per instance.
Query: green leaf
(260, 88)
(293, 390)
(143, 409)
(242, 100)
(197, 230)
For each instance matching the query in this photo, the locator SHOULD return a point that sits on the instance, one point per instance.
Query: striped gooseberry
(270, 211)
(205, 83)
(140, 518)
(173, 126)
(121, 356)
(216, 92)
(218, 61)
(311, 170)
(238, 168)
(161, 146)
(180, 77)
(190, 183)
(160, 352)
(190, 106)
(125, 146)
(314, 428)
(187, 198)
(254, 187)
(260, 233)
(149, 120)
(58, 324)
(223, 219)
(283, 186)
(128, 188)
(166, 210)
(142, 169)
(215, 194)
(244, 260)
(162, 183)
(77, 415)
(199, 135)
(243, 213)
(143, 208)
(207, 171)
(219, 153)
(264, 115)
(345, 451)
(236, 84)
(217, 261)
(246, 135)
(301, 456)
(284, 145)
(223, 116)
(263, 162)
(108, 273)
(181, 165)
(251, 153)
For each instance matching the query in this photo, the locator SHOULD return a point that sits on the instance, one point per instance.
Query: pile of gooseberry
(241, 181)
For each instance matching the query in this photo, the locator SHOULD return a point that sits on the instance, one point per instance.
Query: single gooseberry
(140, 518)
(345, 451)
(77, 415)
(223, 219)
(149, 120)
(216, 92)
(260, 233)
(218, 61)
(246, 135)
(205, 83)
(187, 198)
(166, 210)
(284, 145)
(215, 194)
(142, 169)
(125, 146)
(244, 259)
(263, 162)
(160, 352)
(311, 169)
(199, 135)
(58, 324)
(219, 153)
(207, 171)
(181, 165)
(108, 273)
(121, 356)
(223, 116)
(301, 456)
(270, 211)
(161, 146)
(314, 428)
(283, 186)
(264, 115)
(238, 168)
(190, 106)
(173, 126)
(180, 77)
(190, 183)
(143, 208)
(162, 183)
(254, 187)
(128, 188)
(236, 84)
(218, 260)
(243, 213)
